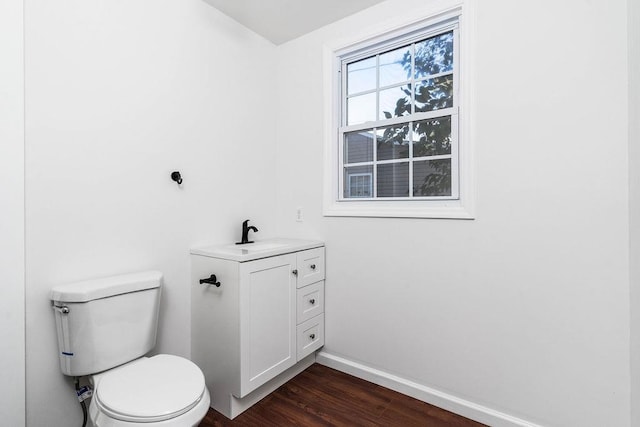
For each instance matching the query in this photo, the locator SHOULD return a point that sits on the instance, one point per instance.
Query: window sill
(411, 209)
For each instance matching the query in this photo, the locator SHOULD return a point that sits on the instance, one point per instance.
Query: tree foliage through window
(433, 57)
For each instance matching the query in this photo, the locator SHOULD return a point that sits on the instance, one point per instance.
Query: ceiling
(282, 20)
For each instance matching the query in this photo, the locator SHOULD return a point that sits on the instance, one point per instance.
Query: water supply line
(84, 405)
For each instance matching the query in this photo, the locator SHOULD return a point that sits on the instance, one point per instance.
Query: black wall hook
(176, 177)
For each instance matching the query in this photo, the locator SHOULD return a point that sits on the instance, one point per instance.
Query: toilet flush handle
(61, 309)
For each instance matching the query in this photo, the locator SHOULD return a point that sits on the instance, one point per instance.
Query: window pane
(395, 66)
(432, 137)
(358, 146)
(395, 102)
(361, 75)
(392, 142)
(434, 94)
(358, 182)
(434, 55)
(361, 109)
(393, 180)
(432, 178)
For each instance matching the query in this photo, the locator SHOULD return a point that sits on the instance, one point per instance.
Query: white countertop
(259, 249)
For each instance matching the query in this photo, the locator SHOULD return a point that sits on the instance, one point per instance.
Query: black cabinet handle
(313, 266)
(312, 301)
(213, 280)
(312, 336)
(295, 272)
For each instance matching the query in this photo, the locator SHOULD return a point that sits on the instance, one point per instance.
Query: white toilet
(105, 327)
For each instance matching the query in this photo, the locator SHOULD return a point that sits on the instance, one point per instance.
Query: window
(397, 125)
(360, 185)
(399, 118)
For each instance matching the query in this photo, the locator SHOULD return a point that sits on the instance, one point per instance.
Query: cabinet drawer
(310, 265)
(310, 301)
(310, 336)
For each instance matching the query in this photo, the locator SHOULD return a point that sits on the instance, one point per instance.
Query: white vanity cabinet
(262, 324)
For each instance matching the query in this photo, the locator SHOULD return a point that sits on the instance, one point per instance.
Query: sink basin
(257, 250)
(259, 246)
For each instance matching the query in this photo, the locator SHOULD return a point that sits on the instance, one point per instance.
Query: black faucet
(245, 233)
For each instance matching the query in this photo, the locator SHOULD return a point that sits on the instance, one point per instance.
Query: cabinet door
(267, 320)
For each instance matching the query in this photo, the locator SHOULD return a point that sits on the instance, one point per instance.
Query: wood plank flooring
(321, 396)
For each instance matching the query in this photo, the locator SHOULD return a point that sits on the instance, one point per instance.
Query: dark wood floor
(322, 396)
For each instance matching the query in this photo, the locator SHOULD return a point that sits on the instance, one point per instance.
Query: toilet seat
(150, 390)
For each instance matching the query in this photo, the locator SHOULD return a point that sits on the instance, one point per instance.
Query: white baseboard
(434, 397)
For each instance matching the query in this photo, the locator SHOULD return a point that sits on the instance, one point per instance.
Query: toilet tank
(104, 323)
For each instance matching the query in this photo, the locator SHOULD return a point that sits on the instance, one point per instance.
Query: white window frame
(461, 203)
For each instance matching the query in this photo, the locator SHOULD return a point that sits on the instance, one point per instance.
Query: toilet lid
(153, 389)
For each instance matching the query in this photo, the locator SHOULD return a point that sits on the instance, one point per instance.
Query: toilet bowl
(162, 390)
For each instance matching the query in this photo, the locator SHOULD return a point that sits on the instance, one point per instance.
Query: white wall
(118, 95)
(12, 376)
(634, 200)
(525, 309)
